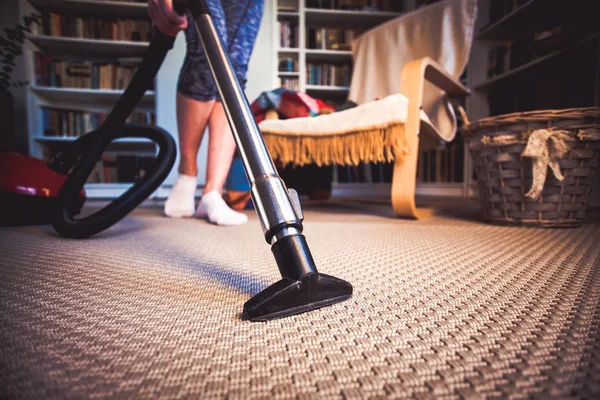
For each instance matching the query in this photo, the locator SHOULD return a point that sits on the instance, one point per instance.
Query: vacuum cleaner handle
(80, 158)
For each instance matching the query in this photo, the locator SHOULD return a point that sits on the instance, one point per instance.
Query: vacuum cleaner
(302, 288)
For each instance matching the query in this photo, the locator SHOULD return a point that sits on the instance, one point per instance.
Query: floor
(448, 307)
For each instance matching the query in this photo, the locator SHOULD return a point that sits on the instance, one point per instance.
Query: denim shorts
(237, 23)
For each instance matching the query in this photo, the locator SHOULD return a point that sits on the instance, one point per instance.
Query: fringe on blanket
(370, 144)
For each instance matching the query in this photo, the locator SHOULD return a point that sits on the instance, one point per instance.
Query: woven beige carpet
(449, 307)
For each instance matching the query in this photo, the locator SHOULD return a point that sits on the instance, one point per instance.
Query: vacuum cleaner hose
(79, 159)
(66, 224)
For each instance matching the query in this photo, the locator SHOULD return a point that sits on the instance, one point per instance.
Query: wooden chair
(404, 178)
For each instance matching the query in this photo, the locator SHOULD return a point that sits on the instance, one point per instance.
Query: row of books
(121, 169)
(443, 164)
(90, 28)
(363, 5)
(330, 38)
(434, 166)
(328, 74)
(290, 83)
(74, 123)
(287, 64)
(83, 75)
(288, 34)
(365, 173)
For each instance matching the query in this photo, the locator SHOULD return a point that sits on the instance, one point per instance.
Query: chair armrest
(413, 78)
(433, 72)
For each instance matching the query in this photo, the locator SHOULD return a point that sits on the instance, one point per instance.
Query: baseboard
(163, 192)
(338, 189)
(384, 189)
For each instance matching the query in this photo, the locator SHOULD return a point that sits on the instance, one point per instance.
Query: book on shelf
(288, 34)
(442, 165)
(330, 38)
(290, 83)
(327, 74)
(74, 123)
(54, 24)
(287, 64)
(83, 74)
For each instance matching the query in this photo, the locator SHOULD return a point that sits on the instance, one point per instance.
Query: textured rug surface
(449, 307)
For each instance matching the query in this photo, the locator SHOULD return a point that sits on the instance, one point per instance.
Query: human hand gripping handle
(166, 17)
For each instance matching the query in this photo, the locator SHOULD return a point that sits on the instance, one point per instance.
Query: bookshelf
(533, 55)
(80, 61)
(490, 83)
(305, 29)
(90, 49)
(351, 18)
(131, 9)
(32, 99)
(517, 46)
(90, 99)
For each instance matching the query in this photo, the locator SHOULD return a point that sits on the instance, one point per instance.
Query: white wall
(166, 88)
(261, 77)
(262, 70)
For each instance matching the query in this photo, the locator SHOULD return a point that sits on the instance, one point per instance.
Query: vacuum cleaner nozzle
(302, 287)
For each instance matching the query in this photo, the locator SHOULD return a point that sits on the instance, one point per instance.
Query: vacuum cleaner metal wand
(301, 288)
(255, 157)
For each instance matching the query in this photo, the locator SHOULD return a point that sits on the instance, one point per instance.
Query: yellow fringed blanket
(372, 132)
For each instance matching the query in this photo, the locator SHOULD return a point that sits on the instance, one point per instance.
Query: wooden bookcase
(79, 103)
(545, 53)
(320, 17)
(32, 98)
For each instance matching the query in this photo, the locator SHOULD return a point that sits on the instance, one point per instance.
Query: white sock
(213, 206)
(181, 199)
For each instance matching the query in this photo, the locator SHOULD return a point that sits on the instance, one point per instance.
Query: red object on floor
(29, 190)
(28, 175)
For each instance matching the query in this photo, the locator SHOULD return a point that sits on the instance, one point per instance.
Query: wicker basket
(520, 158)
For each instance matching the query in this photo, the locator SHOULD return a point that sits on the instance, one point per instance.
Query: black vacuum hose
(79, 159)
(65, 222)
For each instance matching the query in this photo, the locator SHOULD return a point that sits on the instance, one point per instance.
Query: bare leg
(221, 148)
(192, 118)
